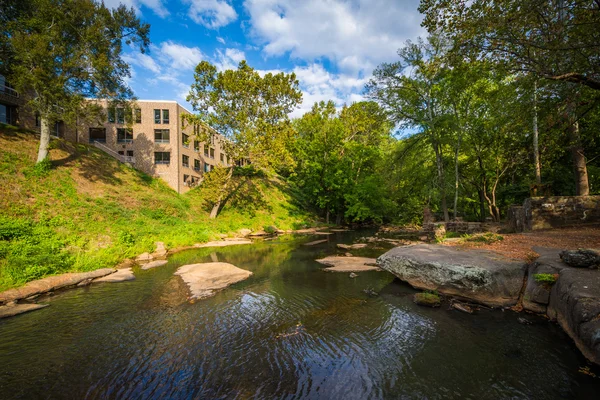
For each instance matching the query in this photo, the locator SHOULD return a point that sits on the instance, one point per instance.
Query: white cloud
(355, 34)
(180, 57)
(235, 55)
(318, 84)
(142, 60)
(155, 5)
(211, 13)
(220, 40)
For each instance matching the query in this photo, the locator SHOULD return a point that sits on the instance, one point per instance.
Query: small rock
(581, 258)
(244, 232)
(524, 321)
(122, 275)
(316, 242)
(160, 251)
(370, 292)
(144, 257)
(463, 307)
(352, 246)
(154, 264)
(427, 299)
(348, 255)
(352, 275)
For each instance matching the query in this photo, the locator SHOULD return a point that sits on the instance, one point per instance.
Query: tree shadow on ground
(92, 164)
(245, 196)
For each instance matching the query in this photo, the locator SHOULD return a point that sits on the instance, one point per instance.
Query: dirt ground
(520, 245)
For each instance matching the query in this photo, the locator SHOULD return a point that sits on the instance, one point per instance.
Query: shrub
(13, 228)
(548, 279)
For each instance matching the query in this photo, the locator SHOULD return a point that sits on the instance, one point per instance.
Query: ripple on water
(289, 331)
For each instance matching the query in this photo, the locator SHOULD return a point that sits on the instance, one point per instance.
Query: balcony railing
(9, 91)
(124, 140)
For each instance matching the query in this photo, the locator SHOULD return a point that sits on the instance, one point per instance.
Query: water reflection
(289, 331)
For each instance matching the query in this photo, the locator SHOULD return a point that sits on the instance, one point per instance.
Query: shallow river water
(289, 331)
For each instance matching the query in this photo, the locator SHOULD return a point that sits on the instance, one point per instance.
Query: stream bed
(289, 331)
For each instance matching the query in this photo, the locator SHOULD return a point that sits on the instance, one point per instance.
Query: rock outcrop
(575, 305)
(349, 264)
(10, 310)
(204, 280)
(476, 275)
(352, 246)
(51, 283)
(581, 258)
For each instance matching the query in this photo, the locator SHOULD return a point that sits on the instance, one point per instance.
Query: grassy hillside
(84, 210)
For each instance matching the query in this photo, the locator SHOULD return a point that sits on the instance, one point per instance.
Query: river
(289, 331)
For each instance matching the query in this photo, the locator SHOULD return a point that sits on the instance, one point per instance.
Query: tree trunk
(536, 149)
(440, 170)
(581, 176)
(456, 177)
(44, 138)
(481, 205)
(217, 207)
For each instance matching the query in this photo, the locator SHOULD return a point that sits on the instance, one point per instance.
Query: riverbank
(539, 280)
(86, 211)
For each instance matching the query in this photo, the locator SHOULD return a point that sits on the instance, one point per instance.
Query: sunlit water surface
(289, 331)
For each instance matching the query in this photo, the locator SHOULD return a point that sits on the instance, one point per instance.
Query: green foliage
(548, 279)
(339, 157)
(53, 225)
(39, 170)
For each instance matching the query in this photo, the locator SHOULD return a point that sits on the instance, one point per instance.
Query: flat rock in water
(205, 279)
(160, 251)
(313, 243)
(16, 309)
(476, 275)
(154, 264)
(51, 283)
(122, 275)
(224, 243)
(349, 264)
(352, 246)
(144, 257)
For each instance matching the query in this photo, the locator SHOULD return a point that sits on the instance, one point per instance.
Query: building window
(185, 161)
(138, 116)
(205, 151)
(111, 115)
(120, 116)
(162, 157)
(197, 165)
(124, 135)
(185, 140)
(129, 153)
(121, 153)
(222, 158)
(97, 135)
(186, 178)
(161, 135)
(196, 146)
(165, 114)
(212, 153)
(157, 116)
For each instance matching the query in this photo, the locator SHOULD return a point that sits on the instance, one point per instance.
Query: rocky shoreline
(547, 286)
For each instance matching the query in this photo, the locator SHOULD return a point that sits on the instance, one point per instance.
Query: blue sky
(332, 45)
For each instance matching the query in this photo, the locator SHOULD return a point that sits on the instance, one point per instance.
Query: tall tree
(62, 51)
(410, 90)
(249, 110)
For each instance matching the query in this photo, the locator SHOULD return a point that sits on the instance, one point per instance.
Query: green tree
(249, 110)
(62, 51)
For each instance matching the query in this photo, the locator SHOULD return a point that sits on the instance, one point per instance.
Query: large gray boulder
(575, 305)
(537, 294)
(475, 275)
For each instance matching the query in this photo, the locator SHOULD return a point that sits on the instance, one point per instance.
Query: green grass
(83, 210)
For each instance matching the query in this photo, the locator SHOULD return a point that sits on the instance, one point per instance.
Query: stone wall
(557, 211)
